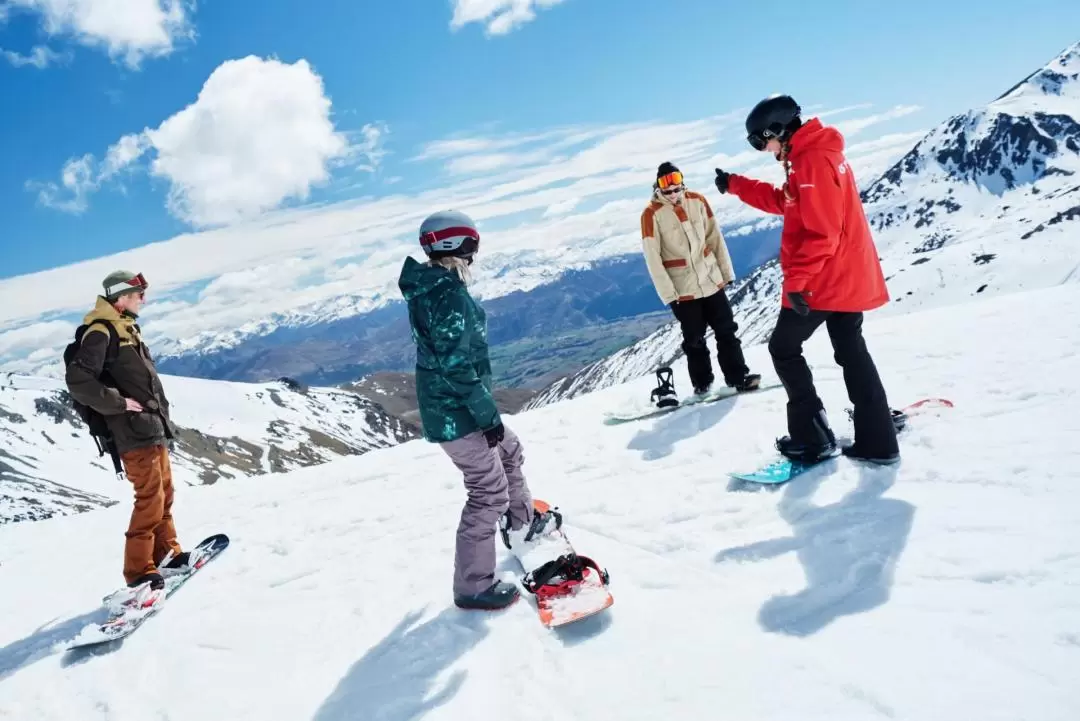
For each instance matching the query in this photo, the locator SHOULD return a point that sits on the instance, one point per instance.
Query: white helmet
(449, 233)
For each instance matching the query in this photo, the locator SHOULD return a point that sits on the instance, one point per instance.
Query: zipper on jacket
(690, 250)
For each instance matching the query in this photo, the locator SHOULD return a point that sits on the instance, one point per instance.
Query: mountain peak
(1060, 78)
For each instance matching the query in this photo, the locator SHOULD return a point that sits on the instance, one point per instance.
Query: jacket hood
(815, 136)
(104, 310)
(418, 278)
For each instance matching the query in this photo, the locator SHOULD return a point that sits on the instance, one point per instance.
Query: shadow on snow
(848, 551)
(396, 679)
(44, 641)
(660, 440)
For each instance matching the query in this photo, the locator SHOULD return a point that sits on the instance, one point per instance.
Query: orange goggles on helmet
(669, 180)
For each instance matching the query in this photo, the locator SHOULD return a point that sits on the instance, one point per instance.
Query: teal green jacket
(453, 371)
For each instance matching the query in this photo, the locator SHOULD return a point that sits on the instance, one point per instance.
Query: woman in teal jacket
(457, 411)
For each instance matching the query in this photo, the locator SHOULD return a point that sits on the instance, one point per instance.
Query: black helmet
(776, 116)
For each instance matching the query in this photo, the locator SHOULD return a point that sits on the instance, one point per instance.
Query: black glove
(722, 180)
(798, 303)
(494, 435)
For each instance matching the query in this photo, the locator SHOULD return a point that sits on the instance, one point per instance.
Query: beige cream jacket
(684, 248)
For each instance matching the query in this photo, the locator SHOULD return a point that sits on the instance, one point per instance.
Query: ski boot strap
(570, 568)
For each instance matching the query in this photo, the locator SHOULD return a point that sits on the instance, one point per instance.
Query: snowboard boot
(749, 382)
(155, 580)
(882, 459)
(703, 388)
(498, 596)
(144, 592)
(820, 446)
(176, 565)
(664, 396)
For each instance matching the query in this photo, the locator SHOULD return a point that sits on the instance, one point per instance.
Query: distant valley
(535, 336)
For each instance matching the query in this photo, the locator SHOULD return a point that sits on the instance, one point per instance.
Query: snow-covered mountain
(945, 588)
(311, 293)
(50, 466)
(986, 203)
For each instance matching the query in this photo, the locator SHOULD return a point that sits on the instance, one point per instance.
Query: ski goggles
(137, 283)
(670, 180)
(758, 141)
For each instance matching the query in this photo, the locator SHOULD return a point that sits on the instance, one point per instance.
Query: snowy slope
(50, 466)
(987, 203)
(945, 588)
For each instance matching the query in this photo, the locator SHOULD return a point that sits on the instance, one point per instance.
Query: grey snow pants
(494, 483)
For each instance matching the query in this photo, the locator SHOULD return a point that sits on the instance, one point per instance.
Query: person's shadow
(848, 550)
(395, 679)
(680, 425)
(45, 641)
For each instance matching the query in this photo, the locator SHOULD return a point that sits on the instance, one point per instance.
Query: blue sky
(403, 71)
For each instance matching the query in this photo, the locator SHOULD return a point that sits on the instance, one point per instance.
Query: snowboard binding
(899, 418)
(664, 396)
(543, 515)
(562, 576)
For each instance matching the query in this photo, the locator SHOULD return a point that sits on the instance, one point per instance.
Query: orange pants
(150, 533)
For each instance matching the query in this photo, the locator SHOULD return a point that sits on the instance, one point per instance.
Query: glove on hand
(798, 303)
(494, 435)
(722, 180)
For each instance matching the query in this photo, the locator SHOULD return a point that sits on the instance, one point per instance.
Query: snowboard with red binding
(566, 585)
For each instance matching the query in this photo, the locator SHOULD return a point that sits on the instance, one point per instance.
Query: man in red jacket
(831, 275)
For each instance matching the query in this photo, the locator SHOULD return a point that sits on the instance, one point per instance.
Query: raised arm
(757, 193)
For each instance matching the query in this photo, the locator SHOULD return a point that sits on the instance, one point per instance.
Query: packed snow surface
(946, 588)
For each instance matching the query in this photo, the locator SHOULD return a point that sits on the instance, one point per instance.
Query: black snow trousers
(874, 430)
(695, 318)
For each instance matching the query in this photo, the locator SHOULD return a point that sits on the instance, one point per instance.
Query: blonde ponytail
(458, 265)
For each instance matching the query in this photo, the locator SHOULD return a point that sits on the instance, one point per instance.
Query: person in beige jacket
(690, 266)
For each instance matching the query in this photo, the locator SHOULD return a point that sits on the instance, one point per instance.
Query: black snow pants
(695, 318)
(874, 430)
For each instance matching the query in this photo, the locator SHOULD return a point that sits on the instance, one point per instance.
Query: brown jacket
(134, 375)
(684, 249)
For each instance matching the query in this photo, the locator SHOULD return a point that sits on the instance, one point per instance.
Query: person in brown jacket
(121, 383)
(689, 263)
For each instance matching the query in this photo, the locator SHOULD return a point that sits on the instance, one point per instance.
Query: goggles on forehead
(669, 180)
(137, 283)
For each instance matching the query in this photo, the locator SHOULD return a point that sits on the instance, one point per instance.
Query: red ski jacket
(826, 249)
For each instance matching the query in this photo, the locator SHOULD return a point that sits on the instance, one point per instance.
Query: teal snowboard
(719, 394)
(779, 471)
(783, 469)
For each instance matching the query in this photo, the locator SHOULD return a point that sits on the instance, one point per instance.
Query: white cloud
(259, 134)
(40, 57)
(129, 30)
(82, 176)
(454, 147)
(500, 16)
(857, 125)
(28, 338)
(571, 194)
